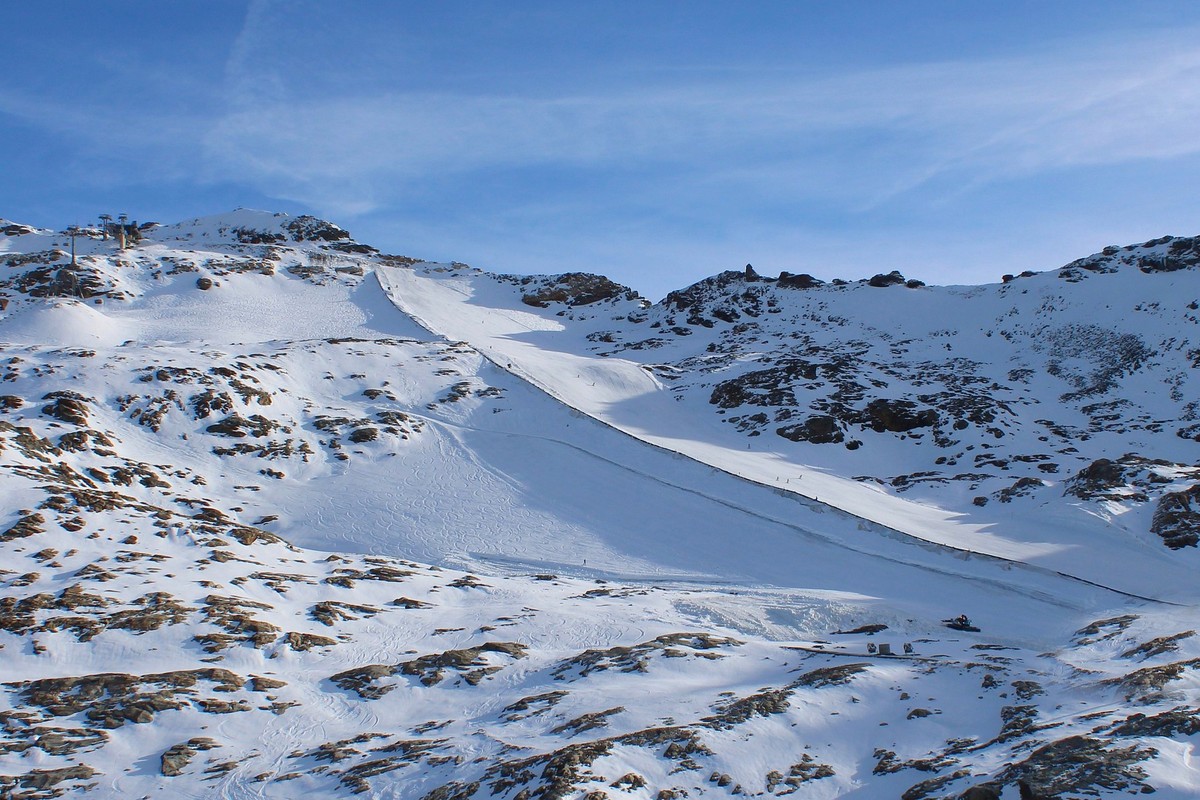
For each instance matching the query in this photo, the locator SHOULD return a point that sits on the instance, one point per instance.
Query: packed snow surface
(285, 515)
(626, 395)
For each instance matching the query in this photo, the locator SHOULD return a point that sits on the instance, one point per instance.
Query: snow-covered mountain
(286, 515)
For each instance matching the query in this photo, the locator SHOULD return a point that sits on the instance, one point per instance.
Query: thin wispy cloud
(1084, 103)
(1101, 112)
(983, 121)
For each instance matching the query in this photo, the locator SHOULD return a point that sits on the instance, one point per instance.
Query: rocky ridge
(1020, 392)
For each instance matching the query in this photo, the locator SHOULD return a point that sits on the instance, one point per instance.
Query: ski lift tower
(67, 279)
(73, 231)
(122, 219)
(105, 224)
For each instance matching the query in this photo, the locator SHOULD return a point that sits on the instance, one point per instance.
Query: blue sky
(655, 142)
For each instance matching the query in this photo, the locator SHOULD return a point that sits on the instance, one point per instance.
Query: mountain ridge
(266, 534)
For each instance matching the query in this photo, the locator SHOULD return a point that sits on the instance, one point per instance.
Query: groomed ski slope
(532, 482)
(465, 305)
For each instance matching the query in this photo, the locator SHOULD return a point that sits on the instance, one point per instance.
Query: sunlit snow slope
(286, 515)
(654, 403)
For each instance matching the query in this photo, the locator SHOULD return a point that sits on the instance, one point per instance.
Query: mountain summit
(285, 514)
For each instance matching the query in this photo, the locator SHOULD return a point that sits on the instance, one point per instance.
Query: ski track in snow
(812, 535)
(457, 512)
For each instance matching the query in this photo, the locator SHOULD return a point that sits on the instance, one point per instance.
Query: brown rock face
(1177, 518)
